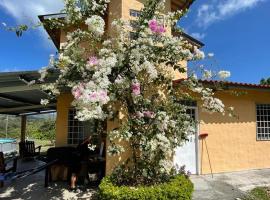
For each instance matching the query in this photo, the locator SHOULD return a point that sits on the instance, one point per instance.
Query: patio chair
(5, 168)
(27, 149)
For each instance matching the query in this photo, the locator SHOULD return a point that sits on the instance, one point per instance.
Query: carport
(20, 98)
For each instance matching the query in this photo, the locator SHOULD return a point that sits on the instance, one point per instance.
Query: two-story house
(221, 143)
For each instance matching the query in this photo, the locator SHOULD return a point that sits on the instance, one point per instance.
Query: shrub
(178, 188)
(259, 193)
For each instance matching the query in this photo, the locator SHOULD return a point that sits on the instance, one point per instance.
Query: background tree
(265, 81)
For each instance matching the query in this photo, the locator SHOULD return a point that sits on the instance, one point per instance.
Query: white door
(186, 154)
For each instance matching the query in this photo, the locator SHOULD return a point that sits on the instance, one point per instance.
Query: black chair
(27, 149)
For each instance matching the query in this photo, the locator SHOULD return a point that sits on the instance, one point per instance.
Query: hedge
(179, 188)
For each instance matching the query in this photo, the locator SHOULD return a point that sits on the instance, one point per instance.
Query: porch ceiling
(181, 4)
(18, 98)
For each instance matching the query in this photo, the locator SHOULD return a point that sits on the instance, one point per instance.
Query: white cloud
(220, 10)
(27, 11)
(198, 36)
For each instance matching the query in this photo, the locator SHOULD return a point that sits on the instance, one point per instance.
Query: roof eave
(230, 85)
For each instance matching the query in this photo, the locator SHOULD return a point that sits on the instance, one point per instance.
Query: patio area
(32, 187)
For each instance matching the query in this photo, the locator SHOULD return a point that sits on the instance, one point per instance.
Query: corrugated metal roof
(18, 98)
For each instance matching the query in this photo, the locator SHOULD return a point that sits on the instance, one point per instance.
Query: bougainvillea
(132, 74)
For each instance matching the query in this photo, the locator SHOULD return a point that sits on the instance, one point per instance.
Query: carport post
(23, 127)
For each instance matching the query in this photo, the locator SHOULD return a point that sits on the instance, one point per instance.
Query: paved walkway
(229, 186)
(32, 187)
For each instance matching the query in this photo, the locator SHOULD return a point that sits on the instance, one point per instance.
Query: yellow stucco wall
(232, 142)
(63, 105)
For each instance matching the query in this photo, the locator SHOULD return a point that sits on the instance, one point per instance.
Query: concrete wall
(63, 105)
(232, 144)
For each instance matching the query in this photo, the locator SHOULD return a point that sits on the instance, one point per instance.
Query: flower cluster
(96, 25)
(155, 27)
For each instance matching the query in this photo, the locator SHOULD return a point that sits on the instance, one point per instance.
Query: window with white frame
(263, 121)
(77, 130)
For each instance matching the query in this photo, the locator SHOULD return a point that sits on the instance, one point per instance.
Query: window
(134, 13)
(77, 130)
(263, 121)
(190, 108)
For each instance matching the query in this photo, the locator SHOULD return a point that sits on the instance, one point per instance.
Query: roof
(18, 98)
(230, 84)
(189, 38)
(55, 33)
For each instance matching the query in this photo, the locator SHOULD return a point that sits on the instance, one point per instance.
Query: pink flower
(149, 114)
(103, 96)
(77, 91)
(136, 89)
(161, 29)
(93, 97)
(155, 27)
(77, 94)
(92, 61)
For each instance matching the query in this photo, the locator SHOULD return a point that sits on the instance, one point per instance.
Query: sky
(236, 31)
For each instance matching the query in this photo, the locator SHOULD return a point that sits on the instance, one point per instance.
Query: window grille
(78, 131)
(263, 121)
(75, 128)
(134, 13)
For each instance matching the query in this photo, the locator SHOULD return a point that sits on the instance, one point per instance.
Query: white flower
(51, 61)
(92, 147)
(207, 74)
(198, 54)
(224, 74)
(43, 73)
(96, 25)
(44, 102)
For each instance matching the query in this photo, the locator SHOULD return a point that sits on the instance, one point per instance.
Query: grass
(259, 193)
(45, 144)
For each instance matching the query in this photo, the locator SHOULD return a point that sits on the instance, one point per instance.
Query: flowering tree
(108, 75)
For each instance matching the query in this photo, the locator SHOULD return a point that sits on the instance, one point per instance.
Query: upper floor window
(263, 121)
(134, 13)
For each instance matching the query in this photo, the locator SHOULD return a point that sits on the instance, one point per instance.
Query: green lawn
(45, 144)
(259, 193)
